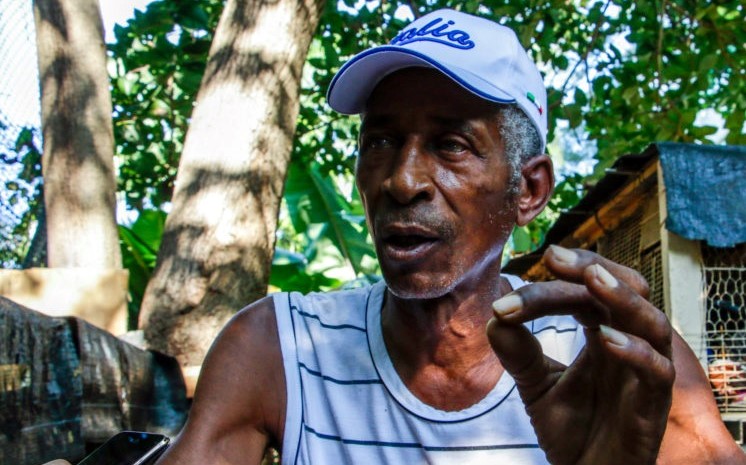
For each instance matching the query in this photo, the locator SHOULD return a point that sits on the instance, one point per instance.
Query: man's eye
(377, 143)
(451, 146)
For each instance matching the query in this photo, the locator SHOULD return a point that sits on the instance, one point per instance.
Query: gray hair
(521, 139)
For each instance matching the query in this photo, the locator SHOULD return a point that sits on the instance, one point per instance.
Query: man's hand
(610, 406)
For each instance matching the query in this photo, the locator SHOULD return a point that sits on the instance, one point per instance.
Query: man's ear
(537, 185)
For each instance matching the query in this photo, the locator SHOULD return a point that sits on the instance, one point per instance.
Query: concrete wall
(98, 296)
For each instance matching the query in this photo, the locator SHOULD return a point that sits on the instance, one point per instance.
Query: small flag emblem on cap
(531, 98)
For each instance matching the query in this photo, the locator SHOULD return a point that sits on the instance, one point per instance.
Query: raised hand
(611, 404)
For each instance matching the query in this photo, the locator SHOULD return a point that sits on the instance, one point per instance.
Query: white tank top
(347, 405)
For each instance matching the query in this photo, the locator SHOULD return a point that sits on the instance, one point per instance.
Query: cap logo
(532, 99)
(435, 32)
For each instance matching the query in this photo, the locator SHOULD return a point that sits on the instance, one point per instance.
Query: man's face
(434, 181)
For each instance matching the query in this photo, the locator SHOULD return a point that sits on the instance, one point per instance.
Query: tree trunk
(219, 238)
(78, 159)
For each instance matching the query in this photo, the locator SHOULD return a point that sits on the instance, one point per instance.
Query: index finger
(602, 299)
(570, 264)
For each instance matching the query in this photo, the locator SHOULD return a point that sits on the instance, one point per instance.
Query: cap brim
(355, 81)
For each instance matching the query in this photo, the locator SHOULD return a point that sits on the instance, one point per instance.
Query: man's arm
(239, 403)
(695, 433)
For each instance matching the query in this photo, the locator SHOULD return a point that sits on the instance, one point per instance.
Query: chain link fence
(725, 286)
(19, 128)
(19, 83)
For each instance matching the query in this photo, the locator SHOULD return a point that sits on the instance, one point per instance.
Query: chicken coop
(677, 214)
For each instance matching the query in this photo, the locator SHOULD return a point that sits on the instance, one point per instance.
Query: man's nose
(409, 179)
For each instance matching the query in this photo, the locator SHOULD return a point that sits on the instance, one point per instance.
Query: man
(575, 371)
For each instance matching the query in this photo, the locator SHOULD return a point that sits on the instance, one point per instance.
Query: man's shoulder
(240, 397)
(258, 317)
(338, 307)
(352, 293)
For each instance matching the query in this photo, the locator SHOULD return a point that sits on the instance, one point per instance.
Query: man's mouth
(407, 242)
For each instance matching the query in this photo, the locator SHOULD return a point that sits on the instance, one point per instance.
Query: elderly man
(582, 370)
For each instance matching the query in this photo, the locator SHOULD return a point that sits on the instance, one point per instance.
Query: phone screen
(127, 448)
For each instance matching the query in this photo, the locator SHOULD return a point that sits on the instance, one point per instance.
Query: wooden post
(682, 281)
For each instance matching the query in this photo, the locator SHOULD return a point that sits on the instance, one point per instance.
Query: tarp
(705, 192)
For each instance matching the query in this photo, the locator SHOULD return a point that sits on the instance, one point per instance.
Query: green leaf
(573, 113)
(560, 62)
(521, 240)
(139, 245)
(701, 132)
(580, 97)
(24, 139)
(708, 62)
(631, 95)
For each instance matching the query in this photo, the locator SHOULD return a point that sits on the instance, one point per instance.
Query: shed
(677, 214)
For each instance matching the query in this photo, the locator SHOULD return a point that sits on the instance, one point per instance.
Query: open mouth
(408, 241)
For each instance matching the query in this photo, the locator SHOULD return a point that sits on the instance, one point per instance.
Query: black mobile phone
(128, 448)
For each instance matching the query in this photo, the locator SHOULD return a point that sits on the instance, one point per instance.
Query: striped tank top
(347, 405)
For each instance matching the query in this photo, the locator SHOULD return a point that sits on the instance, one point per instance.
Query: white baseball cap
(482, 56)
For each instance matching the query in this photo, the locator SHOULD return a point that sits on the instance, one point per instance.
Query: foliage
(681, 57)
(156, 67)
(140, 243)
(323, 242)
(22, 198)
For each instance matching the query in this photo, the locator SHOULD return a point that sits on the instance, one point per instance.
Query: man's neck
(439, 347)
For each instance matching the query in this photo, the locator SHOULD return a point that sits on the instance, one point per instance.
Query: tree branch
(659, 50)
(584, 58)
(415, 8)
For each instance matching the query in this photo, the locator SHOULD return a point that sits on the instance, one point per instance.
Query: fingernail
(507, 304)
(605, 277)
(564, 255)
(613, 336)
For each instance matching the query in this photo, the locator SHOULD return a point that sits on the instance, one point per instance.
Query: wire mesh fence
(19, 84)
(725, 293)
(625, 245)
(19, 127)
